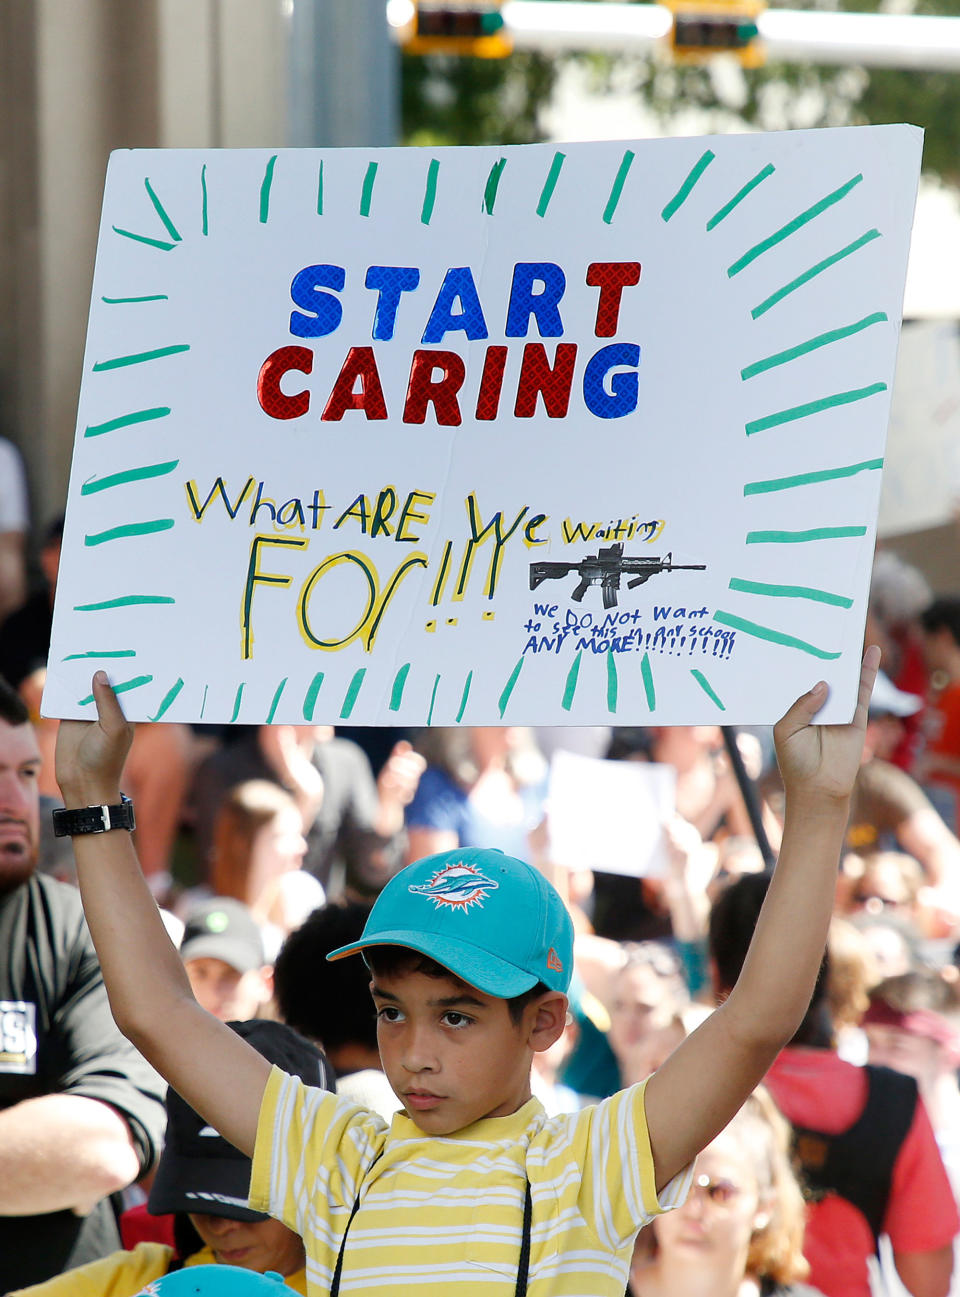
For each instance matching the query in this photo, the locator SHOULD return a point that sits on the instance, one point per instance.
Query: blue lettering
(389, 282)
(524, 302)
(624, 390)
(325, 310)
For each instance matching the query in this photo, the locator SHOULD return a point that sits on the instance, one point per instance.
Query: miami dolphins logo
(456, 886)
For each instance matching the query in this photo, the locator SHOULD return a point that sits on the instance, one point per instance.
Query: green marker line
(102, 653)
(203, 704)
(549, 185)
(801, 537)
(812, 407)
(320, 189)
(612, 682)
(430, 193)
(433, 699)
(265, 187)
(127, 530)
(791, 227)
(162, 213)
(204, 210)
(276, 699)
(464, 696)
(646, 676)
(310, 697)
(142, 238)
(509, 686)
(126, 421)
(772, 636)
(120, 688)
(168, 698)
(366, 194)
(740, 195)
(493, 183)
(821, 340)
(626, 162)
(236, 702)
(138, 358)
(351, 695)
(93, 485)
(123, 601)
(810, 479)
(807, 275)
(790, 592)
(122, 301)
(680, 197)
(399, 683)
(706, 686)
(570, 688)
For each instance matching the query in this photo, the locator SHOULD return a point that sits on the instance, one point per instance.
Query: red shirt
(816, 1089)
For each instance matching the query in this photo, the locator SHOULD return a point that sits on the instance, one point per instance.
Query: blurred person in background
(353, 824)
(862, 1136)
(158, 766)
(257, 857)
(203, 1182)
(483, 786)
(937, 765)
(650, 997)
(222, 951)
(911, 1025)
(330, 1003)
(740, 1231)
(81, 1112)
(898, 595)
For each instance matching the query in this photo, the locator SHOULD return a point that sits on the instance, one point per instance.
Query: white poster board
(609, 815)
(921, 474)
(547, 435)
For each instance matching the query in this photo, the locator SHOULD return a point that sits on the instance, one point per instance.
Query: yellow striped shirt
(447, 1212)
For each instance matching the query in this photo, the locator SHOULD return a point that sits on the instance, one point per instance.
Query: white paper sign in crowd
(568, 434)
(609, 815)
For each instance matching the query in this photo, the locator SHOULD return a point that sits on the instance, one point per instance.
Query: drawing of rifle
(605, 568)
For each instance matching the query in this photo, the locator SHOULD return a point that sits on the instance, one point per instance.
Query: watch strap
(94, 819)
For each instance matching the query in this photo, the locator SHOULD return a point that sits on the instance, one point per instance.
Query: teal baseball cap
(494, 921)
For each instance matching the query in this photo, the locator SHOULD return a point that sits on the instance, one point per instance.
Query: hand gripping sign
(543, 434)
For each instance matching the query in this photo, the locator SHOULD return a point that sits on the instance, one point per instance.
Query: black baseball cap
(199, 1170)
(223, 929)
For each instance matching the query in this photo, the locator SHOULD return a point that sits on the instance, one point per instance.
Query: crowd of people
(264, 850)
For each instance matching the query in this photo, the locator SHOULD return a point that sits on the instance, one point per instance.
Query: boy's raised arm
(704, 1082)
(217, 1072)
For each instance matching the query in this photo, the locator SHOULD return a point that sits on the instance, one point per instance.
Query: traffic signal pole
(789, 35)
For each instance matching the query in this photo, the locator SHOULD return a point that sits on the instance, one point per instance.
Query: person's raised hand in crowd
(288, 749)
(691, 865)
(396, 785)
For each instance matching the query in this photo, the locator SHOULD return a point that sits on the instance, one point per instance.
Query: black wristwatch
(94, 819)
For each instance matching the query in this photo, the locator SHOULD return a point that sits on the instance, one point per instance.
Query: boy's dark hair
(389, 961)
(325, 1001)
(942, 614)
(186, 1240)
(733, 918)
(13, 709)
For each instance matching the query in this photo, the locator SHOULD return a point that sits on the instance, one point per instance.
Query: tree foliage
(448, 100)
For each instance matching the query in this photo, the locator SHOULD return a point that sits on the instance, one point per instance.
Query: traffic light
(473, 27)
(702, 29)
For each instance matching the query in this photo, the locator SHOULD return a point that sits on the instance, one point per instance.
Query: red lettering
(360, 363)
(491, 382)
(272, 400)
(537, 377)
(611, 277)
(422, 388)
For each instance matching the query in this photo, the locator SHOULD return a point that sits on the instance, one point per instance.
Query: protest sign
(548, 434)
(609, 815)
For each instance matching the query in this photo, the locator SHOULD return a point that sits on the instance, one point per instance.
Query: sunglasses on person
(720, 1193)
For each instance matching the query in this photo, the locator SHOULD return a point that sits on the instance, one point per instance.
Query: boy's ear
(548, 1020)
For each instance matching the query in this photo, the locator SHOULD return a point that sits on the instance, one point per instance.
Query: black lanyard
(523, 1269)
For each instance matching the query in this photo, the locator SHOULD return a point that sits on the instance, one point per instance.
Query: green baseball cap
(493, 920)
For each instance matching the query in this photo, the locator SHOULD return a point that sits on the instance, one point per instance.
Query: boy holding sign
(471, 956)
